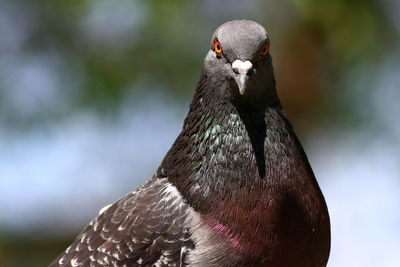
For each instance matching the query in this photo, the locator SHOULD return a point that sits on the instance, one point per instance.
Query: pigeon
(235, 188)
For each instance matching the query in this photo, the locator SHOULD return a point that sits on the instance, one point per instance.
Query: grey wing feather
(145, 228)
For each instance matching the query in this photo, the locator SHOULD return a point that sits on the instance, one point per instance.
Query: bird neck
(222, 146)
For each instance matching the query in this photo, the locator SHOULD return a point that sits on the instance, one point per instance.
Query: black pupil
(218, 47)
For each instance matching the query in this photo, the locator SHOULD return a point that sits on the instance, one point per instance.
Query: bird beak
(242, 70)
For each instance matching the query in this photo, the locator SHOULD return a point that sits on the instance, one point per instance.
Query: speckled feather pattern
(145, 228)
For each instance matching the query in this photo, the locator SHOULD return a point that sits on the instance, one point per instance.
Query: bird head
(240, 54)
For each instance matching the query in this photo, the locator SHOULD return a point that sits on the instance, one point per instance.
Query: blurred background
(94, 92)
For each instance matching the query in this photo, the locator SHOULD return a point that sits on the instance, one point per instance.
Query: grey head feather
(241, 39)
(241, 63)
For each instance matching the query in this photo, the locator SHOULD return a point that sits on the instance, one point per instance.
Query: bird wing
(145, 228)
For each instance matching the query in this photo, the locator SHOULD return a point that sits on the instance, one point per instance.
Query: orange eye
(217, 47)
(265, 50)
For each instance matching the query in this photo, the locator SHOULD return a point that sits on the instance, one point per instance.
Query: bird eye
(265, 50)
(217, 47)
